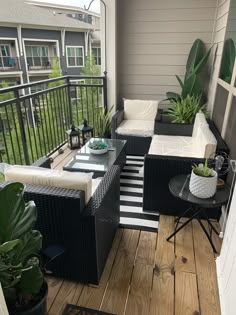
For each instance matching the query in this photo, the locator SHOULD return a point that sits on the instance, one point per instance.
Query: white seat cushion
(53, 178)
(140, 109)
(140, 128)
(173, 146)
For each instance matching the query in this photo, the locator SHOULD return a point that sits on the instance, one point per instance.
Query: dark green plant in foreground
(184, 110)
(20, 273)
(227, 62)
(197, 60)
(203, 170)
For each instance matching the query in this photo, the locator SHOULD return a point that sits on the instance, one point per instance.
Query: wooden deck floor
(145, 274)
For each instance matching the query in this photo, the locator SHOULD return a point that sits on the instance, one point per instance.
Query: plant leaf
(180, 81)
(16, 217)
(9, 246)
(172, 95)
(26, 285)
(195, 55)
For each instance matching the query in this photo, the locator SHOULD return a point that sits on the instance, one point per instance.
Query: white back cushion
(53, 178)
(205, 142)
(140, 128)
(140, 109)
(200, 121)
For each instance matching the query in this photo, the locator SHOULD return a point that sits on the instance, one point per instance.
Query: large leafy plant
(20, 273)
(228, 58)
(191, 85)
(184, 110)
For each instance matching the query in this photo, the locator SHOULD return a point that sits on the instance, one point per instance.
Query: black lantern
(87, 131)
(73, 137)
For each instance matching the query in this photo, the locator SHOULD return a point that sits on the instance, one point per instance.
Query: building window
(5, 54)
(36, 56)
(97, 55)
(75, 56)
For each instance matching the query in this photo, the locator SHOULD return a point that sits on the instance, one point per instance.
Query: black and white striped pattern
(131, 198)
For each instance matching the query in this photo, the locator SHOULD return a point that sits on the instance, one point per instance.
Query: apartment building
(32, 36)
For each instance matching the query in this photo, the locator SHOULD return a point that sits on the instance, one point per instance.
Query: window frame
(67, 60)
(40, 57)
(97, 57)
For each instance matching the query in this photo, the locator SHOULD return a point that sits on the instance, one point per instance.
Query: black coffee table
(179, 187)
(84, 161)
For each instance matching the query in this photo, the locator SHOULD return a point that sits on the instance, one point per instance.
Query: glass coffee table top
(86, 161)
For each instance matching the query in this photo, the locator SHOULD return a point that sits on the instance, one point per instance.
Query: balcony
(9, 64)
(39, 63)
(33, 125)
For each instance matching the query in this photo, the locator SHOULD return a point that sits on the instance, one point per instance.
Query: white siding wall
(219, 36)
(226, 264)
(154, 39)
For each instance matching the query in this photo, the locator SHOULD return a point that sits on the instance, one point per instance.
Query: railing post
(69, 100)
(21, 125)
(105, 91)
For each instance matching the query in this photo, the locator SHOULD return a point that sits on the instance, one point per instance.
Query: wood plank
(140, 290)
(68, 294)
(61, 159)
(206, 273)
(118, 285)
(186, 294)
(162, 301)
(91, 296)
(54, 285)
(184, 251)
(146, 248)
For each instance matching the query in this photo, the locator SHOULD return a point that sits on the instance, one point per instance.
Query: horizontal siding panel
(165, 60)
(164, 80)
(220, 35)
(152, 70)
(148, 89)
(222, 22)
(159, 97)
(167, 38)
(171, 15)
(169, 27)
(158, 49)
(170, 4)
(223, 9)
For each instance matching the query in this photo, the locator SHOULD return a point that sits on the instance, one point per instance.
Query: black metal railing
(34, 124)
(9, 64)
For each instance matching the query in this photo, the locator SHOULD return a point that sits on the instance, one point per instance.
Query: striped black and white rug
(131, 197)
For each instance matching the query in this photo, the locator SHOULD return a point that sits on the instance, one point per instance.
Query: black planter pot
(40, 308)
(164, 126)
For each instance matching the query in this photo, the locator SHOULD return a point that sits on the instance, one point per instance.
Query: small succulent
(97, 145)
(203, 170)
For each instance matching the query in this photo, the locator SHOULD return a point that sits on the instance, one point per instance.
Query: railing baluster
(10, 135)
(16, 132)
(22, 129)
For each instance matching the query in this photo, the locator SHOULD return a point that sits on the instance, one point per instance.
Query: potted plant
(103, 125)
(21, 278)
(203, 181)
(98, 147)
(179, 118)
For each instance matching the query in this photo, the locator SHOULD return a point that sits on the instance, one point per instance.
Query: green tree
(91, 97)
(56, 73)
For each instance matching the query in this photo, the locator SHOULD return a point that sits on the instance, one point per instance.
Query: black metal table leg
(207, 235)
(184, 224)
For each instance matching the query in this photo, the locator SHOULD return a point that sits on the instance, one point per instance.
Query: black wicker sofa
(86, 232)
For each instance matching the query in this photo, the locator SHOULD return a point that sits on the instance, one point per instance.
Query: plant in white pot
(203, 181)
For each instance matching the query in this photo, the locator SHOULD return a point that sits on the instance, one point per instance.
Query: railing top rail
(28, 85)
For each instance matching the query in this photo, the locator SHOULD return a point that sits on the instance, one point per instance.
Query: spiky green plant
(103, 125)
(184, 110)
(203, 169)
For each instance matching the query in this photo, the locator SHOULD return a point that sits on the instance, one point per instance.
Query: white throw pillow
(53, 178)
(140, 109)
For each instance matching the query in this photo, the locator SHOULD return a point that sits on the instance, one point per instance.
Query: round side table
(179, 188)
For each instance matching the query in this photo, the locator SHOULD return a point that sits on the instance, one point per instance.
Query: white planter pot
(98, 152)
(203, 187)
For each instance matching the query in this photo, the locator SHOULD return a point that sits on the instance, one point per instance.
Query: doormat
(79, 310)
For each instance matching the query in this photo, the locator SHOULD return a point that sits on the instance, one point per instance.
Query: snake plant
(227, 62)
